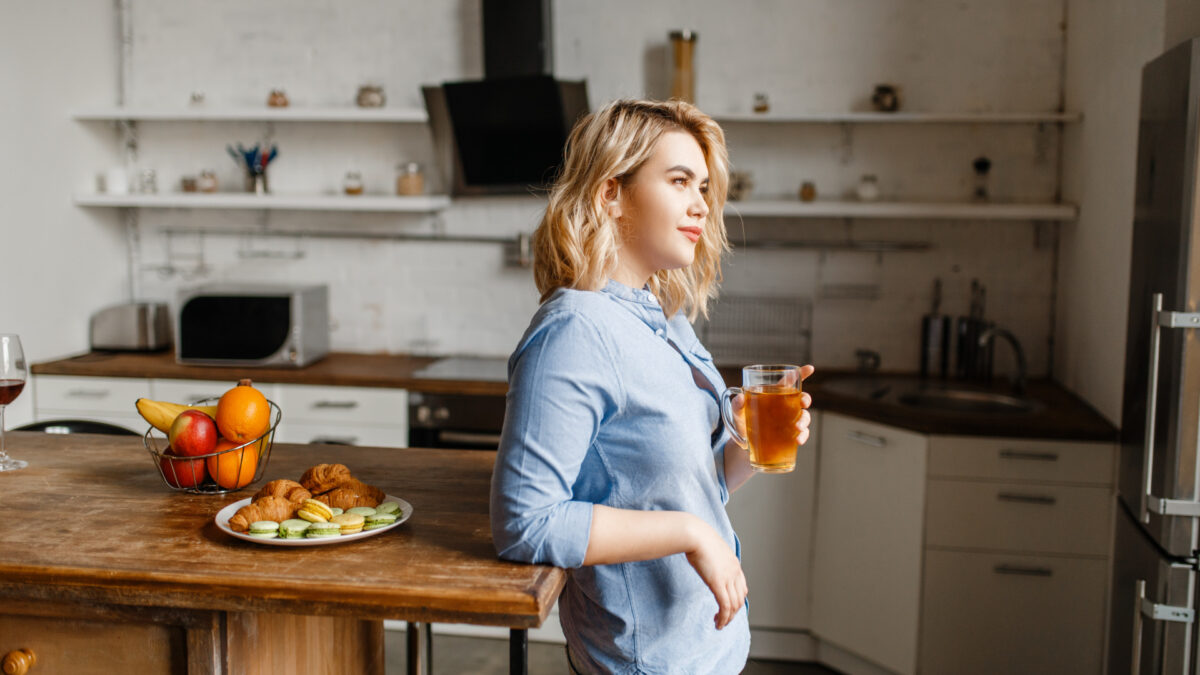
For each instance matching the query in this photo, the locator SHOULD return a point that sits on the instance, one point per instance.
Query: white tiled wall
(961, 55)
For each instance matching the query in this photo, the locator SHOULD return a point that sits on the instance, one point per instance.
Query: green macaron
(378, 520)
(293, 528)
(323, 530)
(336, 511)
(266, 529)
(363, 511)
(388, 507)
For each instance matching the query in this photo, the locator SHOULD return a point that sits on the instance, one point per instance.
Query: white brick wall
(947, 55)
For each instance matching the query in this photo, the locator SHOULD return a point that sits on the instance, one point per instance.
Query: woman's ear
(611, 194)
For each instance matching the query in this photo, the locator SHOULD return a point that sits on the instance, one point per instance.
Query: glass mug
(772, 405)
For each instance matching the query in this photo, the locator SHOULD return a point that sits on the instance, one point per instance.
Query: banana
(160, 414)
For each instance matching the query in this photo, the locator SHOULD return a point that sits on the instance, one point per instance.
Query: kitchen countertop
(1063, 415)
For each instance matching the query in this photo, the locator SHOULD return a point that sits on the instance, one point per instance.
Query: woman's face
(661, 210)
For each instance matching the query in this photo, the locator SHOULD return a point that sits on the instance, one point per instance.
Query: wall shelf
(902, 118)
(264, 114)
(284, 202)
(785, 208)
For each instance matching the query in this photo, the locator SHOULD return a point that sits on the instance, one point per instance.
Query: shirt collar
(640, 301)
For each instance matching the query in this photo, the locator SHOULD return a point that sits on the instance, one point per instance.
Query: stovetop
(478, 368)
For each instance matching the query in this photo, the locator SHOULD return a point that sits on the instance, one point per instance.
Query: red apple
(193, 433)
(183, 473)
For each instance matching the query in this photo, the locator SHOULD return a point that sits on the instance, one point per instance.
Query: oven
(459, 421)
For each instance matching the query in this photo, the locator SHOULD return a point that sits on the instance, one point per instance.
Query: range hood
(504, 134)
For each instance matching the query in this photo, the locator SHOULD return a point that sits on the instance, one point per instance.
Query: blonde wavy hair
(577, 242)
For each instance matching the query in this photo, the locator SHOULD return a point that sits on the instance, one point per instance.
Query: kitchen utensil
(132, 326)
(966, 333)
(935, 338)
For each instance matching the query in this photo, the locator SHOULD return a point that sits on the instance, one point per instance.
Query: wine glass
(12, 381)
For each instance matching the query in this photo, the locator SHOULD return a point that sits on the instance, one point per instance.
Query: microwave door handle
(1156, 303)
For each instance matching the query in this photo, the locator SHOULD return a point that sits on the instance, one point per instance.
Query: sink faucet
(1019, 379)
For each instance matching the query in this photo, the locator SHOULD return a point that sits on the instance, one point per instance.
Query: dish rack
(180, 473)
(745, 329)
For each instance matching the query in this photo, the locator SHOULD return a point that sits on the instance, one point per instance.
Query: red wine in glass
(12, 381)
(9, 389)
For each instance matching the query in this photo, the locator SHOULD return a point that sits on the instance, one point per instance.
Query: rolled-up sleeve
(562, 387)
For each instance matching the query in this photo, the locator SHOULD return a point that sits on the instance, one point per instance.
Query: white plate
(226, 513)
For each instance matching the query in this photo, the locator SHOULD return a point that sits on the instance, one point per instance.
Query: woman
(613, 461)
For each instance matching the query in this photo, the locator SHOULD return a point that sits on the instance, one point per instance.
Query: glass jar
(207, 182)
(410, 180)
(868, 188)
(683, 76)
(352, 184)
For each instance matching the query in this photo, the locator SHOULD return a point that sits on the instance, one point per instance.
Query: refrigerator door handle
(1149, 503)
(1151, 405)
(1143, 608)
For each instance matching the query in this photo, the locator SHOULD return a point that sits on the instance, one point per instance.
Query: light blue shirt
(604, 408)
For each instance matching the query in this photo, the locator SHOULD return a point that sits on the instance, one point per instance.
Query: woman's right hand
(720, 569)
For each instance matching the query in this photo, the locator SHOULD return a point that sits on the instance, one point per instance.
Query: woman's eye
(680, 181)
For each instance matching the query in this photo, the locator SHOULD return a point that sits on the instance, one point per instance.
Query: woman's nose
(699, 207)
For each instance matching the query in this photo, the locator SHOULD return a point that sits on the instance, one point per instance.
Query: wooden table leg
(518, 651)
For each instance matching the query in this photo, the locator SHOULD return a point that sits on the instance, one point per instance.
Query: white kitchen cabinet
(103, 399)
(311, 414)
(1001, 613)
(867, 551)
(1018, 539)
(772, 515)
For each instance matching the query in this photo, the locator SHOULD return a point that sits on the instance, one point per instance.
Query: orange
(243, 413)
(235, 469)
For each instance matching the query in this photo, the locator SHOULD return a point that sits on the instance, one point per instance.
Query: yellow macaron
(350, 523)
(314, 511)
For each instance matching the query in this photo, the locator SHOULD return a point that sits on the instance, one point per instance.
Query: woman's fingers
(805, 400)
(806, 371)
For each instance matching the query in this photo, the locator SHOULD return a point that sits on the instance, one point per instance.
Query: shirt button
(659, 332)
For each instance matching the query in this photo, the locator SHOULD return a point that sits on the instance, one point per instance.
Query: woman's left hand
(806, 401)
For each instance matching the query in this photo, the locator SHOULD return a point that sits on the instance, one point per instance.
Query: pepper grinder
(683, 77)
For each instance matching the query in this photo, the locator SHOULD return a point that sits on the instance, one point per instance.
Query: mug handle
(728, 417)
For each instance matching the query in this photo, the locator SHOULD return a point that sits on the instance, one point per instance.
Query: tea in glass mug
(772, 405)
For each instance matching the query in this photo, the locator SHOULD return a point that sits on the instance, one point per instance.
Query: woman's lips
(691, 232)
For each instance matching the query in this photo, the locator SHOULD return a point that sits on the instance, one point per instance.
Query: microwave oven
(252, 325)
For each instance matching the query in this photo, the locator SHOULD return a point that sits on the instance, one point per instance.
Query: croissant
(288, 489)
(270, 507)
(324, 477)
(363, 489)
(345, 498)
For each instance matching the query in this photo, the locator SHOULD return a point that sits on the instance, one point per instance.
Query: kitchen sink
(968, 400)
(935, 396)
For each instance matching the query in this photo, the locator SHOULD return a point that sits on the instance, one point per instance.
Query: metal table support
(415, 650)
(518, 652)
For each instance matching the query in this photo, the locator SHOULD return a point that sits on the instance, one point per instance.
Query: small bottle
(277, 99)
(808, 191)
(352, 184)
(868, 188)
(148, 182)
(761, 103)
(409, 179)
(982, 166)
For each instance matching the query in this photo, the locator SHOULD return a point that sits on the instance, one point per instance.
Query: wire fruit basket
(245, 463)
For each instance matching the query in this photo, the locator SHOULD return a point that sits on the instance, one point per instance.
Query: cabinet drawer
(1018, 517)
(190, 391)
(987, 613)
(65, 646)
(1021, 459)
(374, 436)
(89, 394)
(344, 405)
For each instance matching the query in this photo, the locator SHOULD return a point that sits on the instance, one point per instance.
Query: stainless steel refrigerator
(1155, 584)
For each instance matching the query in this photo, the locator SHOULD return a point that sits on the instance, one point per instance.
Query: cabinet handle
(1024, 454)
(18, 661)
(342, 405)
(88, 393)
(1027, 499)
(867, 439)
(335, 440)
(1024, 571)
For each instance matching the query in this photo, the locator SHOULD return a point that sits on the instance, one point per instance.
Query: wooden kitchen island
(105, 569)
